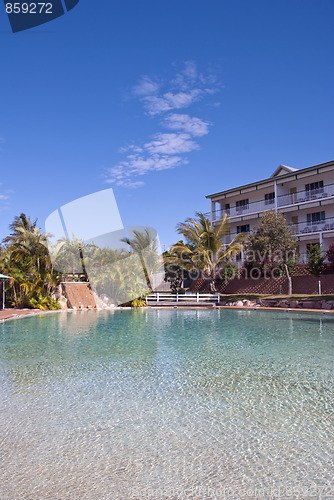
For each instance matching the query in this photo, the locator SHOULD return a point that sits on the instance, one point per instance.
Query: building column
(276, 200)
(213, 210)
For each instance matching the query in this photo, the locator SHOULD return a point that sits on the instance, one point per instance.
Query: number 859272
(28, 8)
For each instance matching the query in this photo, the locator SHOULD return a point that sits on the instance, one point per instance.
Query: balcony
(252, 208)
(284, 200)
(304, 196)
(300, 229)
(307, 228)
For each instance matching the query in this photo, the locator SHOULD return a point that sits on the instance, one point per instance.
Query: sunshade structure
(3, 278)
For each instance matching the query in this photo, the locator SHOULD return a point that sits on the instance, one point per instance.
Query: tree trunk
(212, 285)
(147, 277)
(83, 263)
(289, 279)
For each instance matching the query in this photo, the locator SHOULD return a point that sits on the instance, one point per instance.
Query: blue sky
(165, 102)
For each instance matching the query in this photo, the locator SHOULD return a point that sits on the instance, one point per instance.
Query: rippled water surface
(167, 404)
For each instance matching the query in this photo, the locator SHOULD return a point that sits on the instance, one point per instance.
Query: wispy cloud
(171, 144)
(123, 173)
(169, 101)
(165, 150)
(191, 125)
(4, 194)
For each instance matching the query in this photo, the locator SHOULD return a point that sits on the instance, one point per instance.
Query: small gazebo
(3, 278)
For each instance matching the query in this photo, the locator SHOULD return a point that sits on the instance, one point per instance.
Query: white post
(197, 297)
(276, 200)
(218, 297)
(3, 294)
(319, 285)
(177, 296)
(158, 297)
(213, 211)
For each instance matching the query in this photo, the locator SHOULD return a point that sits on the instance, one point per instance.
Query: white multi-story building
(305, 197)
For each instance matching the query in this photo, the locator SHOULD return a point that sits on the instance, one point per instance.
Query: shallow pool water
(167, 404)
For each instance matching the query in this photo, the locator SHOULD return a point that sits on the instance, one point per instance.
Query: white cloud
(171, 144)
(192, 125)
(169, 101)
(165, 150)
(131, 184)
(146, 86)
(156, 105)
(187, 87)
(4, 196)
(136, 165)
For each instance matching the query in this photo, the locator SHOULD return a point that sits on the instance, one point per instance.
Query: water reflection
(66, 344)
(109, 402)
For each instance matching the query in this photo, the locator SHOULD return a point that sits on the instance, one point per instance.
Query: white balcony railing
(304, 228)
(253, 207)
(282, 201)
(305, 196)
(299, 229)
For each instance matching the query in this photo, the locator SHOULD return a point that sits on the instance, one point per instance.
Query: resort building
(305, 197)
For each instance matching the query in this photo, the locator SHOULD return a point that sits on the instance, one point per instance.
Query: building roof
(282, 171)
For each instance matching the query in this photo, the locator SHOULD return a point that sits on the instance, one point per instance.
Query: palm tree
(141, 244)
(26, 239)
(26, 258)
(205, 250)
(70, 252)
(21, 226)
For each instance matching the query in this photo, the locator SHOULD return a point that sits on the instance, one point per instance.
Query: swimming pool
(167, 404)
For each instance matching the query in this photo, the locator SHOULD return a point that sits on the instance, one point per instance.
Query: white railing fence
(182, 297)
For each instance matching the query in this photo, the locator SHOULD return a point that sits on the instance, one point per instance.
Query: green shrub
(141, 302)
(44, 303)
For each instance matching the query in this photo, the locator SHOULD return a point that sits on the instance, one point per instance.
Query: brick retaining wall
(300, 285)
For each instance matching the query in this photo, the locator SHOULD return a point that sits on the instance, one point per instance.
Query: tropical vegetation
(25, 257)
(272, 248)
(127, 274)
(316, 260)
(204, 253)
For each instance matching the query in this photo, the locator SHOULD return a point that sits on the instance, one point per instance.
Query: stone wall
(79, 295)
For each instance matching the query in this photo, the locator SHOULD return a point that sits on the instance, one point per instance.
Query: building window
(242, 204)
(269, 198)
(316, 218)
(226, 209)
(314, 188)
(243, 229)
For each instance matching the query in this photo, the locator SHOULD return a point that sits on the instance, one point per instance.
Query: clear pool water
(167, 404)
